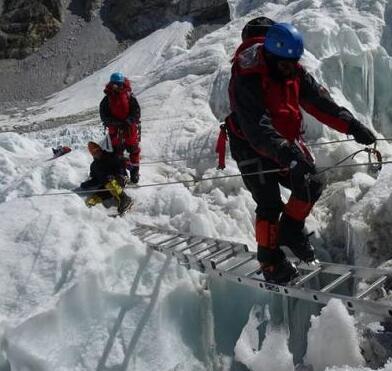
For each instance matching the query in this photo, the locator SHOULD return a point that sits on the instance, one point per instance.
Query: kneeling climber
(106, 172)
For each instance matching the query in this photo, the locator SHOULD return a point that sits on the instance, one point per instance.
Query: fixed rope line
(370, 151)
(197, 180)
(213, 156)
(315, 144)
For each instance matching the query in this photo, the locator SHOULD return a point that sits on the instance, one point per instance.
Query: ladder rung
(148, 235)
(217, 253)
(137, 230)
(140, 230)
(169, 239)
(205, 249)
(240, 264)
(171, 245)
(308, 276)
(376, 284)
(236, 264)
(223, 259)
(253, 271)
(337, 282)
(190, 246)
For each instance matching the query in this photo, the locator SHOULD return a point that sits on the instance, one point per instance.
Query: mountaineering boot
(280, 273)
(291, 234)
(93, 200)
(124, 204)
(275, 266)
(134, 174)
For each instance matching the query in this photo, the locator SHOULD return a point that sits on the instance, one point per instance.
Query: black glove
(361, 133)
(289, 153)
(291, 156)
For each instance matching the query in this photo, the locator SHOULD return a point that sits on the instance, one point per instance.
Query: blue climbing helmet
(285, 41)
(117, 78)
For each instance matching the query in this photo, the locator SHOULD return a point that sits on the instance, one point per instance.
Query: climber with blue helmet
(117, 78)
(120, 113)
(267, 89)
(283, 47)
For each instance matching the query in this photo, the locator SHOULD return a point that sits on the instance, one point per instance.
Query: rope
(213, 156)
(375, 166)
(198, 180)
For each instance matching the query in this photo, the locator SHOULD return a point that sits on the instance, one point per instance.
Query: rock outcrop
(26, 24)
(137, 18)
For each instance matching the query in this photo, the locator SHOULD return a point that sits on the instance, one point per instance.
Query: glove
(361, 133)
(289, 153)
(298, 170)
(291, 156)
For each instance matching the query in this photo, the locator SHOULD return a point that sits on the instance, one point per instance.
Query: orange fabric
(94, 148)
(297, 209)
(266, 233)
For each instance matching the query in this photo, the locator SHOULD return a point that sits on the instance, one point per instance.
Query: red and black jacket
(266, 112)
(120, 111)
(117, 108)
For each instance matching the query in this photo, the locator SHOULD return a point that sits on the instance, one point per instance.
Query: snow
(275, 342)
(333, 339)
(70, 274)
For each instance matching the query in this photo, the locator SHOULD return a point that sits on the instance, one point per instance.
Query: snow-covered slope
(70, 274)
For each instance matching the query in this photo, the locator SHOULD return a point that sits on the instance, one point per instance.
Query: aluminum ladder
(234, 262)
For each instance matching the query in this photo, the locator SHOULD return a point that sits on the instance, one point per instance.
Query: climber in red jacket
(120, 113)
(268, 87)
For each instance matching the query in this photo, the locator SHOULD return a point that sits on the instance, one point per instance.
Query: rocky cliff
(26, 24)
(137, 18)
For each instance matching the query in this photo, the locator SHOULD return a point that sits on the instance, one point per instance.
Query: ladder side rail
(351, 303)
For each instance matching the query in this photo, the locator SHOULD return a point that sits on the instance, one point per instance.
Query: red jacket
(266, 112)
(120, 113)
